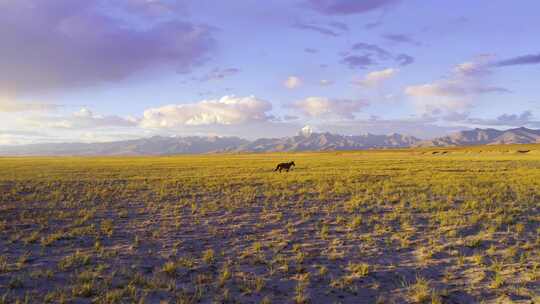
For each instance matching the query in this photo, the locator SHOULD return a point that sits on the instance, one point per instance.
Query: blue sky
(111, 70)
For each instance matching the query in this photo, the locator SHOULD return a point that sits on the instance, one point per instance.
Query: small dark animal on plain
(285, 166)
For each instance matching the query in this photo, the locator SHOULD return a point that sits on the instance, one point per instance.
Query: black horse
(285, 166)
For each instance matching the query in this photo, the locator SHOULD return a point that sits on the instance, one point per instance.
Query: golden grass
(420, 225)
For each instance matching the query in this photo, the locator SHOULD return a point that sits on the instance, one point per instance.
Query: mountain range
(304, 141)
(326, 142)
(486, 137)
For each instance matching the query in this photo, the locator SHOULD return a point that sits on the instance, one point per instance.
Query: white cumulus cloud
(228, 110)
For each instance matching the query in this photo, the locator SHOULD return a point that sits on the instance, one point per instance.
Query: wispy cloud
(82, 119)
(404, 59)
(219, 74)
(526, 118)
(339, 25)
(401, 38)
(371, 48)
(348, 7)
(333, 29)
(450, 89)
(375, 78)
(327, 108)
(365, 54)
(520, 60)
(326, 82)
(11, 105)
(358, 61)
(456, 91)
(315, 28)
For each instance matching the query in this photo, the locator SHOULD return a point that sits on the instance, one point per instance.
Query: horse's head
(292, 163)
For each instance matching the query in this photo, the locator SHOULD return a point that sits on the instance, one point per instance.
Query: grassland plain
(459, 225)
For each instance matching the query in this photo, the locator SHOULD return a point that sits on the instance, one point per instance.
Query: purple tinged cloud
(70, 44)
(371, 48)
(218, 74)
(520, 60)
(401, 38)
(348, 7)
(374, 50)
(339, 25)
(526, 118)
(315, 28)
(155, 8)
(372, 25)
(516, 119)
(404, 59)
(358, 61)
(491, 89)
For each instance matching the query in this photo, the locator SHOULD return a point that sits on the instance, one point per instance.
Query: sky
(97, 70)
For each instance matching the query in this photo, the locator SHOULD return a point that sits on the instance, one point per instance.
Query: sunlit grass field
(446, 225)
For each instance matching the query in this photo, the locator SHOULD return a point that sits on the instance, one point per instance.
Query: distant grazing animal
(285, 166)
